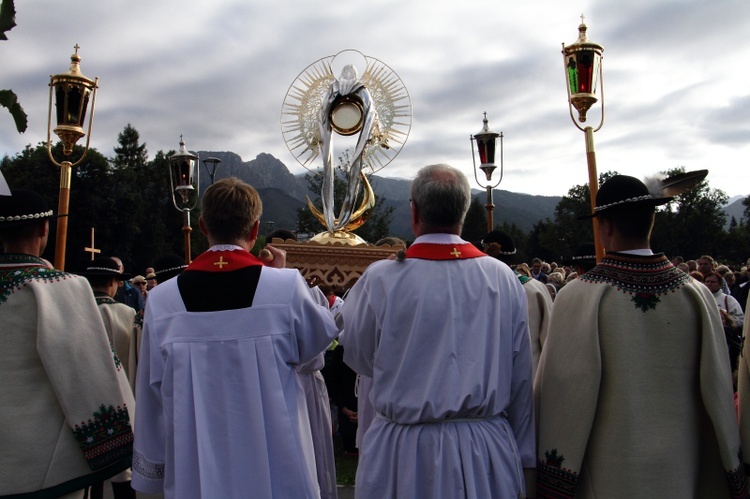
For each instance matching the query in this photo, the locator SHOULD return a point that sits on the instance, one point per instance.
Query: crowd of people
(454, 370)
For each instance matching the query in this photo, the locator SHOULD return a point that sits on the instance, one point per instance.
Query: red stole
(223, 261)
(434, 251)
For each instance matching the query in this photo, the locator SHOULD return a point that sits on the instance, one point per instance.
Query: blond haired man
(221, 412)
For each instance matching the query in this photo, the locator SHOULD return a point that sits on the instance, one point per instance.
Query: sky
(676, 79)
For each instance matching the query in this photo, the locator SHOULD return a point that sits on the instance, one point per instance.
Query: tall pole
(186, 230)
(63, 206)
(490, 206)
(593, 188)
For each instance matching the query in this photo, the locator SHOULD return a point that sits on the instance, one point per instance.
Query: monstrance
(372, 115)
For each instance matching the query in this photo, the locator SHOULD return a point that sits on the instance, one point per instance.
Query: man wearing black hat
(104, 275)
(64, 400)
(634, 389)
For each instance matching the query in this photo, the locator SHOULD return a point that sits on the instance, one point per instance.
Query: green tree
(559, 238)
(8, 98)
(475, 223)
(126, 199)
(692, 224)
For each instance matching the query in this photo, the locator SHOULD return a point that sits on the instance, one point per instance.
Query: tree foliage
(8, 98)
(692, 224)
(124, 199)
(475, 223)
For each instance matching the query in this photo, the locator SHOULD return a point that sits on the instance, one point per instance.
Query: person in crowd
(537, 270)
(732, 316)
(318, 402)
(64, 398)
(634, 389)
(584, 258)
(151, 281)
(443, 333)
(501, 245)
(221, 412)
(140, 283)
(168, 266)
(743, 390)
(126, 293)
(120, 322)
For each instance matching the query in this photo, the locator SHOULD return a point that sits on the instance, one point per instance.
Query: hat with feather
(623, 191)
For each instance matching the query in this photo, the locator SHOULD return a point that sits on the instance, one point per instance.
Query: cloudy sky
(676, 84)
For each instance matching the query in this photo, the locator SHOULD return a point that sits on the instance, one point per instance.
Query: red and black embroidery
(643, 277)
(17, 270)
(554, 481)
(106, 438)
(737, 479)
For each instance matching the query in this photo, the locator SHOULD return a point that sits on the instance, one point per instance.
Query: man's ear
(255, 230)
(202, 226)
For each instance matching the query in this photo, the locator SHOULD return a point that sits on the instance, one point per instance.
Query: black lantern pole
(211, 165)
(72, 91)
(486, 141)
(583, 74)
(184, 176)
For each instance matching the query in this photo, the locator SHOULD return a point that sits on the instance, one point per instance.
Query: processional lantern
(211, 165)
(72, 92)
(486, 145)
(184, 176)
(584, 79)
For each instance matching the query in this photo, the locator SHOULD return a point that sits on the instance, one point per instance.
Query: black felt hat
(105, 266)
(584, 255)
(507, 251)
(622, 192)
(22, 207)
(169, 266)
(506, 243)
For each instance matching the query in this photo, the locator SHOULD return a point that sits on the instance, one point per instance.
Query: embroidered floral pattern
(643, 277)
(524, 279)
(645, 301)
(553, 480)
(17, 270)
(107, 437)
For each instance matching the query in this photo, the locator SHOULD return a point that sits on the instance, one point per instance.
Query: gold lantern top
(72, 91)
(583, 72)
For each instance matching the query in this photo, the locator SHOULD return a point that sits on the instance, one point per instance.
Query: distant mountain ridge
(284, 193)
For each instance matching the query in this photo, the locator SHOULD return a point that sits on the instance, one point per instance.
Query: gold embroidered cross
(221, 263)
(455, 252)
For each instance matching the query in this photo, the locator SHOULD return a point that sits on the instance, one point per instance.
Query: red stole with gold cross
(436, 251)
(223, 261)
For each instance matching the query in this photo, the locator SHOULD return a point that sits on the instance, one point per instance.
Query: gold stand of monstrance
(368, 110)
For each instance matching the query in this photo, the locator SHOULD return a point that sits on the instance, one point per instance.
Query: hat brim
(653, 202)
(104, 273)
(7, 224)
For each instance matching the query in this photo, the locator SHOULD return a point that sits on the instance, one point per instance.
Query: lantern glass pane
(486, 151)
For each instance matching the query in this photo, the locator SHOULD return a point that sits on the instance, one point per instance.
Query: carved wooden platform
(332, 263)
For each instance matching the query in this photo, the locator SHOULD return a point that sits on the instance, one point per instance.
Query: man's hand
(273, 257)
